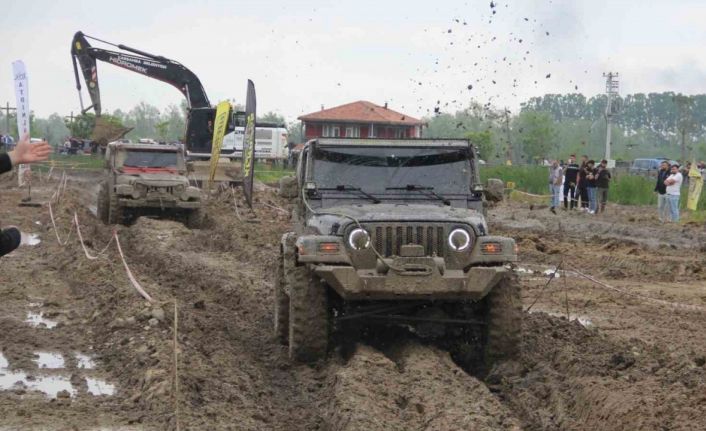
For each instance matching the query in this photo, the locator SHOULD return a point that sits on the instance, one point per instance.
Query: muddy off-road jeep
(147, 179)
(392, 232)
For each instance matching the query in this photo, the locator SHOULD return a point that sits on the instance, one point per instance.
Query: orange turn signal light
(328, 247)
(491, 248)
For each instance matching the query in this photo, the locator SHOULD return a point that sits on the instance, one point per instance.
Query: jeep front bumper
(411, 279)
(158, 203)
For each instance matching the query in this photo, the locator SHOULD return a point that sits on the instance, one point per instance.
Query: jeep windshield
(150, 159)
(391, 170)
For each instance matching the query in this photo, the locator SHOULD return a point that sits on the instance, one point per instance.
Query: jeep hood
(325, 220)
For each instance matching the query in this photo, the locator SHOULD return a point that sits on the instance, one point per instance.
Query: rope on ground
(552, 276)
(132, 278)
(679, 305)
(528, 194)
(85, 250)
(275, 207)
(56, 231)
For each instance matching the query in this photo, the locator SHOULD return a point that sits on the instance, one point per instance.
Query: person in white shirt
(673, 183)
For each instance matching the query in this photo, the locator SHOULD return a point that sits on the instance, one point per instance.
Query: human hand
(26, 152)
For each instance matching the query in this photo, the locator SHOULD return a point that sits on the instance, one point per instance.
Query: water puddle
(99, 387)
(49, 360)
(85, 361)
(49, 385)
(29, 238)
(38, 320)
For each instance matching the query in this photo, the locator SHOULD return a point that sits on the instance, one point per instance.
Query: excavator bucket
(106, 131)
(227, 171)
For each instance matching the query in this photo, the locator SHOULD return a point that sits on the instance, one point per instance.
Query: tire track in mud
(421, 389)
(235, 375)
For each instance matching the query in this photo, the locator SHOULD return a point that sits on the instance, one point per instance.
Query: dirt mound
(576, 378)
(420, 389)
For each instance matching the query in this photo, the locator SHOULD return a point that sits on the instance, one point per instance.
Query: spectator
(603, 178)
(661, 190)
(591, 186)
(570, 179)
(555, 177)
(673, 185)
(685, 174)
(581, 184)
(24, 152)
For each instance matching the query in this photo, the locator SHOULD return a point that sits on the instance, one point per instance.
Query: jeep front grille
(388, 238)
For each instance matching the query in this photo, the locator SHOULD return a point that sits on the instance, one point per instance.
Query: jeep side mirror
(288, 187)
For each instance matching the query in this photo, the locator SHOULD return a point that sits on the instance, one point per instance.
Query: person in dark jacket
(582, 185)
(24, 152)
(661, 190)
(603, 178)
(571, 173)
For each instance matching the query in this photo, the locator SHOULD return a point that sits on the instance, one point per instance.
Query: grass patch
(269, 173)
(625, 189)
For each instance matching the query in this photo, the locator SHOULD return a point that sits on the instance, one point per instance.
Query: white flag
(22, 97)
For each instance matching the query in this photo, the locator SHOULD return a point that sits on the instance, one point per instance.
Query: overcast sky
(412, 54)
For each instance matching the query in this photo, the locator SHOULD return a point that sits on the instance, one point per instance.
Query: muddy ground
(621, 361)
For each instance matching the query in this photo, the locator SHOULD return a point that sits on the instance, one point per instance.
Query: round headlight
(359, 239)
(459, 240)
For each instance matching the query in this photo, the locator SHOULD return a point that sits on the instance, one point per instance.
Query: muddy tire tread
(308, 316)
(281, 315)
(504, 322)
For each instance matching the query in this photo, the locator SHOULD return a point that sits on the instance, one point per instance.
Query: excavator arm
(85, 57)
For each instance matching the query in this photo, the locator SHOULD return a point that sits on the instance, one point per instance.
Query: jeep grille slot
(389, 238)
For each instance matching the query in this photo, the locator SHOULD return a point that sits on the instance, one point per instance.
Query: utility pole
(508, 155)
(7, 110)
(71, 119)
(611, 89)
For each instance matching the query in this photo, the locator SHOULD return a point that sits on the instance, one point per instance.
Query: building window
(331, 131)
(353, 132)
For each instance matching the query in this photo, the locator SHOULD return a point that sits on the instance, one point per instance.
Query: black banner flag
(249, 143)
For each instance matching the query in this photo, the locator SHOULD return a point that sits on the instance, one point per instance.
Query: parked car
(648, 167)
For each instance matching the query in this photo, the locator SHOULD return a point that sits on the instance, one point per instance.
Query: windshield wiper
(429, 191)
(347, 188)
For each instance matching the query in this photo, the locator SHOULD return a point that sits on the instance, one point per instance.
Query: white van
(270, 143)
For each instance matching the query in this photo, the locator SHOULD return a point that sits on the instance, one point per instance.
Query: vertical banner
(249, 143)
(22, 98)
(696, 183)
(219, 130)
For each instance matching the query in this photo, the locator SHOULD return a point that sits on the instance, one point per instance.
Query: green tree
(484, 142)
(272, 117)
(294, 129)
(536, 134)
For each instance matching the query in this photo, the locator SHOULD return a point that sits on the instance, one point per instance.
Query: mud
(639, 365)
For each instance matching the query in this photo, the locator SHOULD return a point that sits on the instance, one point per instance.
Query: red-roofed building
(361, 119)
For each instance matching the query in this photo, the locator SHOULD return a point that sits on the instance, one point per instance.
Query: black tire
(116, 214)
(504, 322)
(102, 205)
(281, 305)
(308, 316)
(194, 219)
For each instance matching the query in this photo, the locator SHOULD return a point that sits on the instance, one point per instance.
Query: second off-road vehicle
(392, 232)
(147, 179)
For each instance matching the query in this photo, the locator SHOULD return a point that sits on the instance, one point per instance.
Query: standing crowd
(584, 187)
